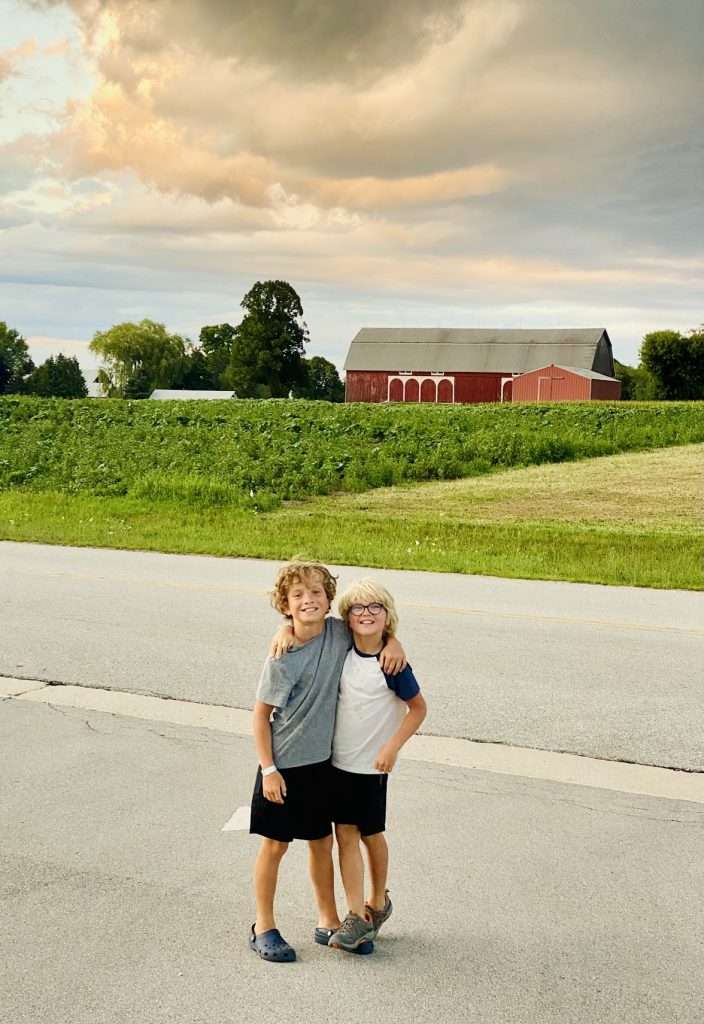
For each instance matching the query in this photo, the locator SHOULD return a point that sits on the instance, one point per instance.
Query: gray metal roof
(456, 350)
(162, 394)
(592, 374)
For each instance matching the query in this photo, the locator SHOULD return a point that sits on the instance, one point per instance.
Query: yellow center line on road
(236, 588)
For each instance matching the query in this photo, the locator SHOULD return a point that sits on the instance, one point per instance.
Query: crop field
(255, 454)
(523, 491)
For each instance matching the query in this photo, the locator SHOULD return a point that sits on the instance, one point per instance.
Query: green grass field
(629, 519)
(254, 454)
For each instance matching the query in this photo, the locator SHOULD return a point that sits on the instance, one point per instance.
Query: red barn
(408, 364)
(565, 384)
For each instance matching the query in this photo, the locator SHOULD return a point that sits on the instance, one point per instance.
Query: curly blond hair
(368, 591)
(300, 571)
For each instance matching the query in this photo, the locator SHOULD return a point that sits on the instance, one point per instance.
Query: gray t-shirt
(302, 685)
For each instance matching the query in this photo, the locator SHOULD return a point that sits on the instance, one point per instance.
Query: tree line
(59, 376)
(671, 368)
(264, 357)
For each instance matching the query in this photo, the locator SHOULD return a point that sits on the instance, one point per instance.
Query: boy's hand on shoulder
(274, 788)
(392, 659)
(283, 641)
(386, 758)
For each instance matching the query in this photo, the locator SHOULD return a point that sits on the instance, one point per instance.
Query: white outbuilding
(166, 394)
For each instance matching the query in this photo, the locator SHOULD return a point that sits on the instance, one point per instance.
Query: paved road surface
(609, 672)
(517, 901)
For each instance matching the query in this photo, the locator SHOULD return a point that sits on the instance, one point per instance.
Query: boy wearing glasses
(376, 714)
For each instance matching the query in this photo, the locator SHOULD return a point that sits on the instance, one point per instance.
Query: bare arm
(392, 658)
(417, 710)
(273, 786)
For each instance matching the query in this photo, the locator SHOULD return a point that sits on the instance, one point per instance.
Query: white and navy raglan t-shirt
(370, 708)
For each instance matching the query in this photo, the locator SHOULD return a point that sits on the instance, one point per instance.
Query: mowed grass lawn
(629, 519)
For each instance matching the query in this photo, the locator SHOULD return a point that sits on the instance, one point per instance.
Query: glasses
(374, 608)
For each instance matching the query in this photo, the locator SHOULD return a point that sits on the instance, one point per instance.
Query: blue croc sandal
(272, 946)
(323, 935)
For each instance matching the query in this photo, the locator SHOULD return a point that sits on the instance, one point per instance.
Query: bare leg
(378, 856)
(322, 875)
(351, 867)
(266, 873)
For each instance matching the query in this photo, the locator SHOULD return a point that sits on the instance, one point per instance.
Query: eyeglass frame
(367, 608)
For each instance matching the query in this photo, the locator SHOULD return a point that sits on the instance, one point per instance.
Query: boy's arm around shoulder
(392, 658)
(283, 640)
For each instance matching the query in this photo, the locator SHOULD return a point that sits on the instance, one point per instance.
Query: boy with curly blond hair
(294, 718)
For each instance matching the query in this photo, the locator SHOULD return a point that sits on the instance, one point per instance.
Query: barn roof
(591, 374)
(456, 350)
(163, 394)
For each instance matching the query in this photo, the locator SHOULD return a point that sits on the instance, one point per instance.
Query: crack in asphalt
(471, 739)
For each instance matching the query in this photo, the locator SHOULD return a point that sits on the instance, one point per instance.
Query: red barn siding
(557, 384)
(396, 391)
(412, 391)
(444, 390)
(363, 386)
(428, 391)
(478, 387)
(606, 390)
(384, 386)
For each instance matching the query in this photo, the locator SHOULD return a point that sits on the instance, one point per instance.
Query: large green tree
(675, 362)
(15, 361)
(58, 377)
(195, 374)
(266, 360)
(322, 381)
(138, 357)
(636, 383)
(216, 346)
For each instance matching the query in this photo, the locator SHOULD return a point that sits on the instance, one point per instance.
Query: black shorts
(305, 812)
(359, 800)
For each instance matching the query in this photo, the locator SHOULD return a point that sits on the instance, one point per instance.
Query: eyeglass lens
(374, 609)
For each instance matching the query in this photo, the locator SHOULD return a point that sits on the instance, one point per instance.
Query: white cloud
(481, 160)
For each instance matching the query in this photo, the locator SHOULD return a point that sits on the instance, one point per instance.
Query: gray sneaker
(379, 916)
(353, 931)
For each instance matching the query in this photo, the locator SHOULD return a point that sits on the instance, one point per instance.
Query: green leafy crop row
(256, 453)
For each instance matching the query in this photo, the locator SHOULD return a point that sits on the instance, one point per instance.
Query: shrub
(257, 453)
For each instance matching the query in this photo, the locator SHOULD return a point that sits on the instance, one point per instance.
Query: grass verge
(635, 520)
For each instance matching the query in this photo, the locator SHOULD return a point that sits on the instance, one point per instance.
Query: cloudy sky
(467, 163)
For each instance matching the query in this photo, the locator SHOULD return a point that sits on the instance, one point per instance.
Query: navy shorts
(359, 800)
(305, 812)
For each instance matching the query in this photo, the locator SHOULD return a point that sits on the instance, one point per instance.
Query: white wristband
(270, 770)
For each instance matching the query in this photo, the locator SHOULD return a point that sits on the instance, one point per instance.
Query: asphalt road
(516, 901)
(610, 672)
